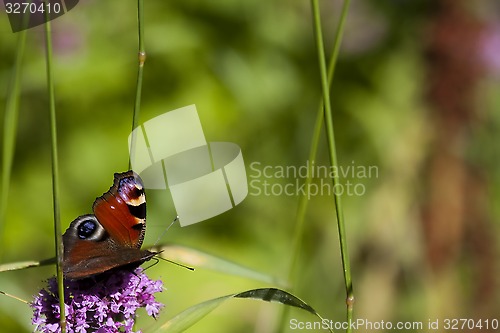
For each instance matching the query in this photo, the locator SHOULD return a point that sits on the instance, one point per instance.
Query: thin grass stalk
(10, 128)
(55, 173)
(300, 218)
(333, 157)
(140, 72)
(304, 200)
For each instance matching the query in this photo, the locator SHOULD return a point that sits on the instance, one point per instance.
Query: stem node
(142, 58)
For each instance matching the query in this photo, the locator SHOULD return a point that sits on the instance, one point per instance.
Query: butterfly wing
(89, 250)
(122, 210)
(111, 238)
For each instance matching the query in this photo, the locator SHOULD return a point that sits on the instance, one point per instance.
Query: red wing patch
(122, 210)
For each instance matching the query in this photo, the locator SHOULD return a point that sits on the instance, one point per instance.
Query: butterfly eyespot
(86, 229)
(137, 192)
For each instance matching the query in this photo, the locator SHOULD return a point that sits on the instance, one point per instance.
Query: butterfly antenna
(14, 297)
(178, 264)
(163, 234)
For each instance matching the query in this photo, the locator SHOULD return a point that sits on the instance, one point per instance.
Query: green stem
(10, 128)
(140, 72)
(304, 200)
(300, 217)
(331, 146)
(55, 174)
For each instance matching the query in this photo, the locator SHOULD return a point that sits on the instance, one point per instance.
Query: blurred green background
(415, 96)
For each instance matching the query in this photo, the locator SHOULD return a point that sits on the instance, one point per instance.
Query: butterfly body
(112, 236)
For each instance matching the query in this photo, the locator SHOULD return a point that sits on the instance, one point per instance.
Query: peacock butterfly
(113, 235)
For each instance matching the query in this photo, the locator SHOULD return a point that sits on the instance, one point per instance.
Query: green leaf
(276, 295)
(26, 264)
(188, 317)
(192, 315)
(198, 259)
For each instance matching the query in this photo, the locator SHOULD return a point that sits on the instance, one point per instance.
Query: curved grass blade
(188, 317)
(192, 315)
(276, 295)
(10, 127)
(198, 259)
(14, 266)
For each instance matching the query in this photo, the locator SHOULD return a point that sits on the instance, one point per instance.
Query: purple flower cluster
(105, 304)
